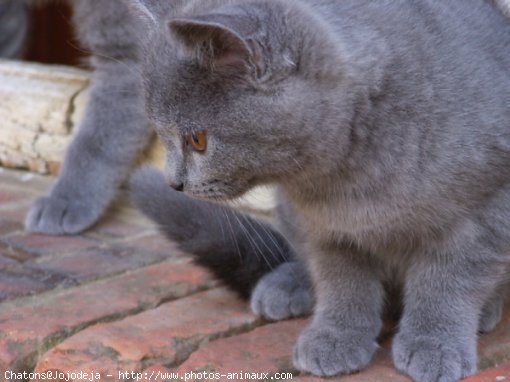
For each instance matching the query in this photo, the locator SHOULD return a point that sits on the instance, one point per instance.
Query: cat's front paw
(430, 359)
(327, 351)
(285, 292)
(56, 216)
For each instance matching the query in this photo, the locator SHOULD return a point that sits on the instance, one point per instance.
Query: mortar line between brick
(57, 291)
(95, 244)
(104, 278)
(260, 322)
(120, 240)
(60, 255)
(41, 259)
(29, 361)
(98, 243)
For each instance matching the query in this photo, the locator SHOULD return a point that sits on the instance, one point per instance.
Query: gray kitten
(385, 125)
(113, 131)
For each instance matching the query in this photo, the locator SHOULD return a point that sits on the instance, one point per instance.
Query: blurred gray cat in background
(114, 129)
(385, 125)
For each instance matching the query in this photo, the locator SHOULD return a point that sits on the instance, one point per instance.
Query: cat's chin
(208, 198)
(228, 193)
(216, 197)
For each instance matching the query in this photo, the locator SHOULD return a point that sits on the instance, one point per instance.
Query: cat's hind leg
(113, 130)
(283, 293)
(286, 291)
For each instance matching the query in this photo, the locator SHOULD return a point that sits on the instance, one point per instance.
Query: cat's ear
(216, 41)
(151, 11)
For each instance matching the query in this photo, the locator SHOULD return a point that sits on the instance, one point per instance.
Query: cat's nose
(178, 186)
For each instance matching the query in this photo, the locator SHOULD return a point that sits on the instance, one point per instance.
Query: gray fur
(112, 35)
(385, 125)
(113, 130)
(13, 28)
(492, 312)
(284, 293)
(238, 249)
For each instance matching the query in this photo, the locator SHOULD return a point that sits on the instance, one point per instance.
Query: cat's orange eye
(197, 140)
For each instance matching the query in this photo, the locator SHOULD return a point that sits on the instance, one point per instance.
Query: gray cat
(385, 125)
(113, 131)
(114, 128)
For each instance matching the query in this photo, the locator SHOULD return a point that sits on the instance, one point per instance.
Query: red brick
(14, 253)
(27, 326)
(267, 349)
(156, 244)
(49, 245)
(26, 181)
(113, 226)
(6, 261)
(12, 286)
(9, 226)
(167, 335)
(83, 266)
(18, 280)
(497, 374)
(16, 213)
(11, 196)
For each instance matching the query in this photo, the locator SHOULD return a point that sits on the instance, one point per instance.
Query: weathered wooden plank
(36, 110)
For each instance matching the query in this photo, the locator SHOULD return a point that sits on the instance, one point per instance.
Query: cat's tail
(238, 249)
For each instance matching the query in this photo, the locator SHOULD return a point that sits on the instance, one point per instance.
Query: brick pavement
(121, 298)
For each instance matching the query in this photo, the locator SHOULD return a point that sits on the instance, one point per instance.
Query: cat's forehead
(183, 94)
(185, 89)
(182, 105)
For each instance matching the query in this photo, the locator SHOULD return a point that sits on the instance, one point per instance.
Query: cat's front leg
(347, 319)
(444, 297)
(113, 130)
(112, 133)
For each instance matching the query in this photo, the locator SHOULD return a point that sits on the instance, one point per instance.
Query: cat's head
(231, 92)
